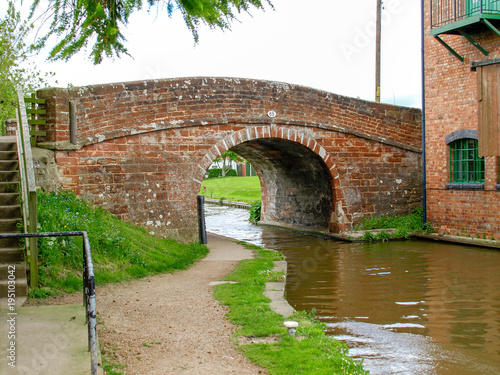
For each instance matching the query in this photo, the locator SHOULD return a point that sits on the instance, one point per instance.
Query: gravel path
(171, 324)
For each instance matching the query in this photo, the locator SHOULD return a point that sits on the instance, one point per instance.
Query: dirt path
(171, 324)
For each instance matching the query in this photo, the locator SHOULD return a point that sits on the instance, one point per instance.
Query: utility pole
(377, 51)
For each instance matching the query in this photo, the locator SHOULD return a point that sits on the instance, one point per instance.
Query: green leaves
(14, 58)
(78, 23)
(255, 212)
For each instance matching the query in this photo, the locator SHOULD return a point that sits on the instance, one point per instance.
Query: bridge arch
(299, 181)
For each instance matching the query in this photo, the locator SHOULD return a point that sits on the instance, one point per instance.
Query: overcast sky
(326, 44)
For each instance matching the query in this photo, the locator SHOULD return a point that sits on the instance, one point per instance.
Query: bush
(231, 173)
(217, 172)
(214, 172)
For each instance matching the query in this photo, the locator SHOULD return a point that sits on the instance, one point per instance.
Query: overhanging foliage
(78, 23)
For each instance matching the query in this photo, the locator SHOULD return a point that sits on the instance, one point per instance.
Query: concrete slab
(275, 291)
(47, 340)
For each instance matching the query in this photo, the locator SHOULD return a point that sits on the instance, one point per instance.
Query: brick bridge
(324, 160)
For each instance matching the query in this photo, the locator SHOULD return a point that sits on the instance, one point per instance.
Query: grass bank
(120, 251)
(312, 352)
(237, 189)
(386, 227)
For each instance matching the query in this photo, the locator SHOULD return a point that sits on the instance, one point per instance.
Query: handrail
(88, 286)
(28, 185)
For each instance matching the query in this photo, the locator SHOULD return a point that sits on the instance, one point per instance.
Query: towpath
(171, 324)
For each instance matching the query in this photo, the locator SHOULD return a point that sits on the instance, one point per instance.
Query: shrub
(255, 212)
(231, 173)
(214, 172)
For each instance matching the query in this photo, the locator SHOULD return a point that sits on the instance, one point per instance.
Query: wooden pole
(377, 51)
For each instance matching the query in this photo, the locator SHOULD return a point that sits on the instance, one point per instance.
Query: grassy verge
(120, 251)
(312, 352)
(240, 189)
(401, 226)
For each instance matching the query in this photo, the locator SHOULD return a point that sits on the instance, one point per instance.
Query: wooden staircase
(12, 255)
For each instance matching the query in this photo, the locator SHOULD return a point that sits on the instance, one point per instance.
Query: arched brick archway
(324, 160)
(300, 184)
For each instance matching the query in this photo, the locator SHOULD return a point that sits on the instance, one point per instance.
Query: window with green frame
(466, 167)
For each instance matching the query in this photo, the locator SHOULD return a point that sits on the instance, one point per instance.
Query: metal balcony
(466, 18)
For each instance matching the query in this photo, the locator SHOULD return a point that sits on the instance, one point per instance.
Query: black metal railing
(444, 12)
(88, 286)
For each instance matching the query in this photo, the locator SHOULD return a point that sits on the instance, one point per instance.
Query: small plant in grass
(274, 276)
(110, 364)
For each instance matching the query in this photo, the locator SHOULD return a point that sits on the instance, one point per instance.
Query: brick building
(462, 81)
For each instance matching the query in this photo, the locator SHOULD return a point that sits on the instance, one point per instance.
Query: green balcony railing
(444, 12)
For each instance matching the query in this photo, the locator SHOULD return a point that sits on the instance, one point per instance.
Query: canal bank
(371, 235)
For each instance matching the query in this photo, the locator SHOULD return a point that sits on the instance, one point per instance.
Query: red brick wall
(324, 161)
(451, 105)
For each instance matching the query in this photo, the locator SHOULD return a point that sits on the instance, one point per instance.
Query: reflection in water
(404, 307)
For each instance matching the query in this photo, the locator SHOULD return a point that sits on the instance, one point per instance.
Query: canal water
(405, 307)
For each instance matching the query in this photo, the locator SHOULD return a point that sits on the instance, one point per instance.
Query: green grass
(312, 352)
(120, 251)
(404, 225)
(241, 189)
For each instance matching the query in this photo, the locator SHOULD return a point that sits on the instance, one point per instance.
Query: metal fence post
(201, 219)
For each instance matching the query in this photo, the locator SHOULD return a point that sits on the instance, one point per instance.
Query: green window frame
(466, 167)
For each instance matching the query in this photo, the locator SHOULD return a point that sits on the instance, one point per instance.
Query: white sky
(326, 44)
